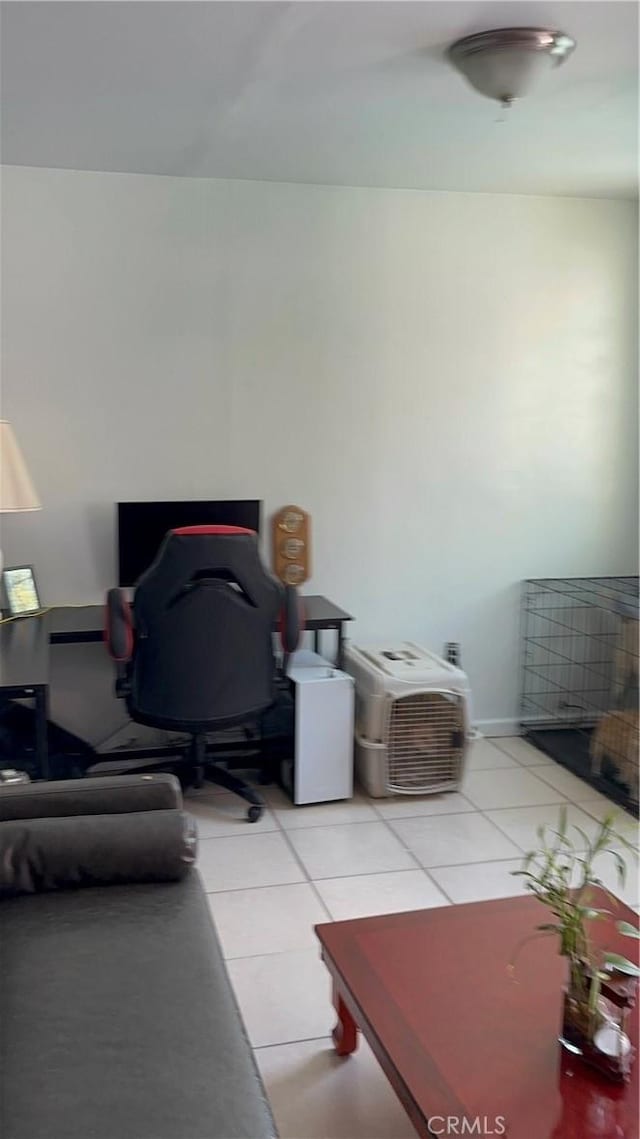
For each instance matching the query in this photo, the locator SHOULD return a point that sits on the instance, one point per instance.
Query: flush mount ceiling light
(506, 63)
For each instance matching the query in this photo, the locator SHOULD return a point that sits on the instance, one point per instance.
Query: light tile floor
(270, 882)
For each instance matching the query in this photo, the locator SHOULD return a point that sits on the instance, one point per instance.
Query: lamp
(17, 492)
(505, 63)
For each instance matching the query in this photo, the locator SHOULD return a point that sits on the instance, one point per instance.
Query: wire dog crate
(579, 700)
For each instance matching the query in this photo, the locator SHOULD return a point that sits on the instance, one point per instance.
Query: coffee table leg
(345, 1033)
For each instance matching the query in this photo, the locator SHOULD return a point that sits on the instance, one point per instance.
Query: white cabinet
(324, 701)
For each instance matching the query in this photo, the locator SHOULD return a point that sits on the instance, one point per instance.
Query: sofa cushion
(92, 796)
(50, 853)
(119, 1021)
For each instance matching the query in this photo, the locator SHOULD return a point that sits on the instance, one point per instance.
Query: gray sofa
(117, 1019)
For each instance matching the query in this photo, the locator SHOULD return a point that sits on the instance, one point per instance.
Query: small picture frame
(20, 591)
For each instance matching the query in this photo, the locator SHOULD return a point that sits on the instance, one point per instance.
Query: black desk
(24, 650)
(24, 672)
(85, 624)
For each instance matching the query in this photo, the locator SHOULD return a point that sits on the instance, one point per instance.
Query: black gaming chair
(194, 653)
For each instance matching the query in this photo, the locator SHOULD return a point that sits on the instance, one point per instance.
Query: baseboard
(490, 728)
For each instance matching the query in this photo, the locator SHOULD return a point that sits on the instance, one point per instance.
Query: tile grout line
(517, 856)
(566, 801)
(284, 1043)
(278, 829)
(438, 886)
(350, 823)
(505, 751)
(268, 953)
(303, 868)
(500, 829)
(403, 844)
(340, 877)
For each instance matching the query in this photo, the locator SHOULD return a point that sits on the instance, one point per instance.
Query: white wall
(446, 381)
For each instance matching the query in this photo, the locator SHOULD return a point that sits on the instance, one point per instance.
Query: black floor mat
(570, 747)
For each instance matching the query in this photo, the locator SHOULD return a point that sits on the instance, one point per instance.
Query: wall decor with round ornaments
(292, 545)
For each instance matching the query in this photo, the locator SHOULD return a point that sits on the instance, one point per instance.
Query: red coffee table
(459, 1037)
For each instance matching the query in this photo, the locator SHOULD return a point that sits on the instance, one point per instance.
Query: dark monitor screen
(143, 525)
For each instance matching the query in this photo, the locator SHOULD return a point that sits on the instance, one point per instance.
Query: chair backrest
(203, 614)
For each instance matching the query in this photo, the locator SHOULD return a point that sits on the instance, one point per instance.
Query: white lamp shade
(17, 491)
(505, 63)
(506, 73)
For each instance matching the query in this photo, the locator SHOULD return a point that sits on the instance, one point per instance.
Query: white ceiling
(349, 93)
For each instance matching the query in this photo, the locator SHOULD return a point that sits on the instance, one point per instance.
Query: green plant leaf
(561, 836)
(628, 930)
(583, 835)
(549, 927)
(621, 865)
(621, 964)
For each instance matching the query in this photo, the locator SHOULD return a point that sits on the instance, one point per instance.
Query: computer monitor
(143, 525)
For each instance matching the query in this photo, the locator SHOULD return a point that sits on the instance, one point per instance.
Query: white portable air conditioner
(412, 719)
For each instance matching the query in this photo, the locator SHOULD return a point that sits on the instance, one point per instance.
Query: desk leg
(340, 652)
(42, 750)
(345, 1033)
(316, 641)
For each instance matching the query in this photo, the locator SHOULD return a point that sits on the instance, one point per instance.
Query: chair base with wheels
(200, 769)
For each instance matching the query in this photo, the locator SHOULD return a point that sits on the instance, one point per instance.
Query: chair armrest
(119, 639)
(118, 628)
(291, 620)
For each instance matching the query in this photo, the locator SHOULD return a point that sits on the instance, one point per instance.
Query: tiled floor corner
(449, 840)
(283, 997)
(267, 919)
(315, 1094)
(247, 861)
(269, 883)
(348, 849)
(479, 881)
(368, 894)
